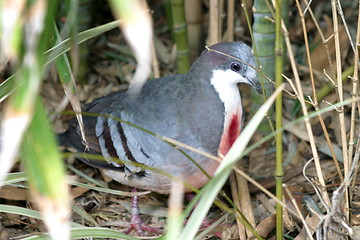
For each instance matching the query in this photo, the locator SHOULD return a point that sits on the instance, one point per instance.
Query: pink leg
(136, 222)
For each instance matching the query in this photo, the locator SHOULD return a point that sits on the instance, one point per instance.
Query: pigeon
(201, 108)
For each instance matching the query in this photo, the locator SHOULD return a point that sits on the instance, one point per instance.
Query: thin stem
(354, 92)
(347, 161)
(315, 101)
(306, 116)
(322, 37)
(279, 172)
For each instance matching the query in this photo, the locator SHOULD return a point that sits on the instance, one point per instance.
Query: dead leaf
(14, 193)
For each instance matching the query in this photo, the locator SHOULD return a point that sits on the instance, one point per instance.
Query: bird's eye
(235, 67)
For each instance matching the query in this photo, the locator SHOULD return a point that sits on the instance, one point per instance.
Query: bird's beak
(255, 83)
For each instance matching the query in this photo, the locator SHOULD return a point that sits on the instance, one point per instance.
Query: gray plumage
(184, 107)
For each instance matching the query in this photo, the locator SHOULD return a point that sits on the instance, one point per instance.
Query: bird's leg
(136, 222)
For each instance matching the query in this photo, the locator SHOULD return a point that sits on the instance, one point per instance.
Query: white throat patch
(225, 83)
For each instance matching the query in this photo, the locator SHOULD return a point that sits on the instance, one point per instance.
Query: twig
(333, 222)
(306, 116)
(354, 92)
(315, 103)
(341, 13)
(321, 36)
(317, 191)
(298, 211)
(341, 97)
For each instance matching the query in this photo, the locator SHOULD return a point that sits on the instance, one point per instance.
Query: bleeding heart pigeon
(201, 108)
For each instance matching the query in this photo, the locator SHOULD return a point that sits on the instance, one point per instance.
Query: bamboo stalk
(279, 171)
(264, 39)
(193, 15)
(230, 20)
(180, 33)
(214, 23)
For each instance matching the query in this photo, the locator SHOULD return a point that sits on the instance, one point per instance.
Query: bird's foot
(140, 227)
(136, 223)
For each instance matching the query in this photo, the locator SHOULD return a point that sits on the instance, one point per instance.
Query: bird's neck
(230, 96)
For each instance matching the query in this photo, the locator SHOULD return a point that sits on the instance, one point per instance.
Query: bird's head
(232, 62)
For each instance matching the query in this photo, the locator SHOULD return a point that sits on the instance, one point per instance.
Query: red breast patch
(231, 132)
